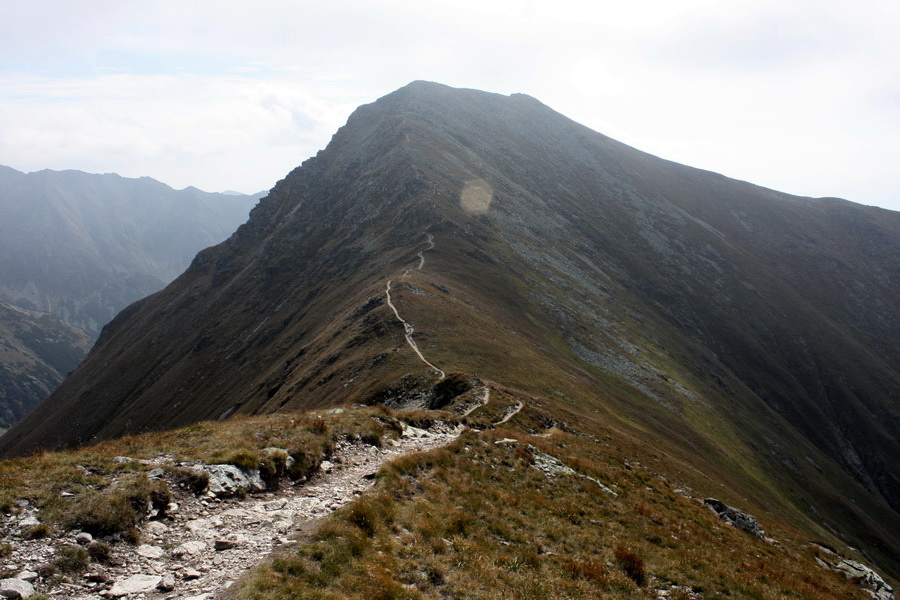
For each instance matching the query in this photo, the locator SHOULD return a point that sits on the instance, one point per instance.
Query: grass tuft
(118, 509)
(70, 559)
(590, 569)
(39, 531)
(632, 564)
(99, 551)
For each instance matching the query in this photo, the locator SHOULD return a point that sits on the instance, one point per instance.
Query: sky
(802, 96)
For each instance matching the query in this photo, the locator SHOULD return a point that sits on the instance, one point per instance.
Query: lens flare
(476, 197)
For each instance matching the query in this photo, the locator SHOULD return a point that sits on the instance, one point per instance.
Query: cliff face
(753, 333)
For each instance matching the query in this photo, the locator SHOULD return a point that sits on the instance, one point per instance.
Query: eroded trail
(408, 332)
(486, 397)
(513, 411)
(209, 542)
(408, 329)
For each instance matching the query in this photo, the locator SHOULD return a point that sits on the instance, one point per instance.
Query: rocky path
(408, 332)
(511, 412)
(210, 542)
(485, 398)
(408, 329)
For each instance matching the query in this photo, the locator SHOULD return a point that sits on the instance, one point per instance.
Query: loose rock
(15, 588)
(148, 551)
(134, 585)
(866, 578)
(225, 545)
(166, 584)
(228, 480)
(191, 548)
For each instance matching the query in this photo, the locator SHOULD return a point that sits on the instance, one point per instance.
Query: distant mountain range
(448, 237)
(77, 248)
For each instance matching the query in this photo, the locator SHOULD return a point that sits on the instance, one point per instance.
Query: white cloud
(799, 96)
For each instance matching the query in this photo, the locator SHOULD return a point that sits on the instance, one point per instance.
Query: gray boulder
(735, 517)
(135, 584)
(15, 588)
(228, 480)
(866, 578)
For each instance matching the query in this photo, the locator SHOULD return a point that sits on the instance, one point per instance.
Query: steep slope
(37, 351)
(749, 334)
(84, 246)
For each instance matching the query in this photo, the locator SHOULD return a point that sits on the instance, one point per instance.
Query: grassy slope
(725, 432)
(473, 520)
(476, 520)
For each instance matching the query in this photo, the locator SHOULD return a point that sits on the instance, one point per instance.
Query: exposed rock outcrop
(737, 518)
(866, 578)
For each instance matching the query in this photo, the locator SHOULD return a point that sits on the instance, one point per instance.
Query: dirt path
(408, 329)
(210, 543)
(511, 413)
(421, 253)
(408, 332)
(484, 400)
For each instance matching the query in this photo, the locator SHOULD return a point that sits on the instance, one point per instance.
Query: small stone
(29, 522)
(276, 504)
(134, 585)
(148, 551)
(225, 545)
(84, 538)
(189, 549)
(96, 577)
(326, 466)
(190, 574)
(172, 508)
(156, 528)
(29, 576)
(166, 584)
(15, 588)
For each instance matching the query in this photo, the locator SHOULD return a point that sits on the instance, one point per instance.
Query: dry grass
(476, 520)
(104, 489)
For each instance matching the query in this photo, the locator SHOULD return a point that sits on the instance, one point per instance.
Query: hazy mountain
(37, 351)
(750, 334)
(82, 247)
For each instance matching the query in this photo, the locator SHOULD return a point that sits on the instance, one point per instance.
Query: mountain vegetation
(649, 326)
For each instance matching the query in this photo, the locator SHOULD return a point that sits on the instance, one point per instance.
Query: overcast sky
(801, 96)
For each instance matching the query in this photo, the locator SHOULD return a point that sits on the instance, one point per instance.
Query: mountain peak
(446, 232)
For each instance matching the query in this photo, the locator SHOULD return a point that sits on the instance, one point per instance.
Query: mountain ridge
(80, 247)
(636, 292)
